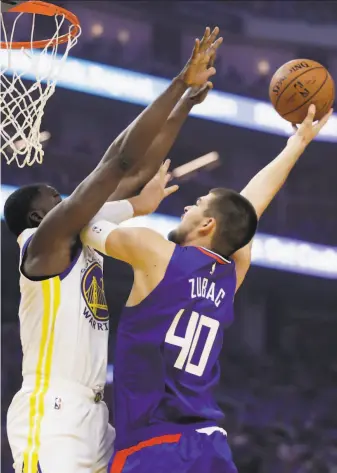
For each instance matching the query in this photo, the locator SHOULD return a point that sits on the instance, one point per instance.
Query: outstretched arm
(261, 190)
(49, 252)
(162, 144)
(148, 166)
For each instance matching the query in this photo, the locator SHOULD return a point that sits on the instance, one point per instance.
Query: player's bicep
(242, 260)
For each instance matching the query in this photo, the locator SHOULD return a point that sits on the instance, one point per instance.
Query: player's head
(223, 221)
(28, 205)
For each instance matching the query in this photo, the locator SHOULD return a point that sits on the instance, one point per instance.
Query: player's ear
(34, 218)
(208, 226)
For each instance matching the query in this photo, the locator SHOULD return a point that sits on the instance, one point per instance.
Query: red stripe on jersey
(121, 456)
(217, 258)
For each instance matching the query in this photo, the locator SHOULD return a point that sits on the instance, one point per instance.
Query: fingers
(209, 55)
(310, 115)
(209, 43)
(216, 44)
(170, 190)
(214, 34)
(167, 178)
(200, 67)
(196, 48)
(164, 175)
(207, 86)
(212, 60)
(210, 72)
(323, 121)
(204, 41)
(165, 167)
(208, 38)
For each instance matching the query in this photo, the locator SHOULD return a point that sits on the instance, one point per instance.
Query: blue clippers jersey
(167, 349)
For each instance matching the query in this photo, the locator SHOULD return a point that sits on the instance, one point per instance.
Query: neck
(199, 241)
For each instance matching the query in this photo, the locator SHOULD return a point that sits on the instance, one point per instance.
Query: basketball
(299, 83)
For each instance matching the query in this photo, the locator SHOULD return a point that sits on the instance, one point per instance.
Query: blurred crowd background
(279, 381)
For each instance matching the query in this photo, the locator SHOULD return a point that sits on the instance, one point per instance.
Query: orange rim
(47, 9)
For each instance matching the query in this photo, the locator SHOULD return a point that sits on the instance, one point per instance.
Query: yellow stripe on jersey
(51, 290)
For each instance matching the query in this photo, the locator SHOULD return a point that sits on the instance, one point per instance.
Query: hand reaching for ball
(197, 72)
(309, 129)
(297, 84)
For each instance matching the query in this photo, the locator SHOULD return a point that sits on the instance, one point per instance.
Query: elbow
(115, 159)
(124, 162)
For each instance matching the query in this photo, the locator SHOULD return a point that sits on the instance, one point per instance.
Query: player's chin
(174, 236)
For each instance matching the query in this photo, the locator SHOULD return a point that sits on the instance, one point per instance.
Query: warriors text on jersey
(64, 322)
(166, 361)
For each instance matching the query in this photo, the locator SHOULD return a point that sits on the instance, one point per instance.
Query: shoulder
(25, 236)
(24, 240)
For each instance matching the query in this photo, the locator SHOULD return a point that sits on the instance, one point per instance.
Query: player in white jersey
(64, 335)
(57, 423)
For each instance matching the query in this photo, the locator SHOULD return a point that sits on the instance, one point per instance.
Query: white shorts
(66, 432)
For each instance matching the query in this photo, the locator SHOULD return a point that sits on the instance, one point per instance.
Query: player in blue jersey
(171, 331)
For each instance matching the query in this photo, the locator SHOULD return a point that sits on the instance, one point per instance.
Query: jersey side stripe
(28, 467)
(51, 290)
(55, 303)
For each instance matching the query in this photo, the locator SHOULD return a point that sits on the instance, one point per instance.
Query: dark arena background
(279, 380)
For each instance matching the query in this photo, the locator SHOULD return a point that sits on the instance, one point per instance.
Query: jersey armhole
(75, 254)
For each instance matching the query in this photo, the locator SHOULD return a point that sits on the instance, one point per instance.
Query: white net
(28, 79)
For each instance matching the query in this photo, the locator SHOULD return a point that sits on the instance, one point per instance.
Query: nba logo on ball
(298, 84)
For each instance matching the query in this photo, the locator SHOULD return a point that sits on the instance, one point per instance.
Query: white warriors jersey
(64, 322)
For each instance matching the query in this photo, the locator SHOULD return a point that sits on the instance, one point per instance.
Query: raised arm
(261, 190)
(49, 251)
(162, 144)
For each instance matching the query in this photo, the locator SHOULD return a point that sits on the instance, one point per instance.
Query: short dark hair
(17, 207)
(236, 221)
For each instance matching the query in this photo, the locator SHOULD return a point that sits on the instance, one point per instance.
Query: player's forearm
(163, 142)
(141, 173)
(261, 190)
(115, 212)
(142, 132)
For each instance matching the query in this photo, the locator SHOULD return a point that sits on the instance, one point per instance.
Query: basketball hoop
(22, 103)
